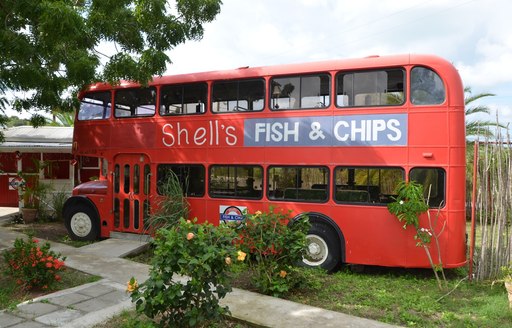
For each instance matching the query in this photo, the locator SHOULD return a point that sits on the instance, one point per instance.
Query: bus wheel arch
(326, 243)
(81, 219)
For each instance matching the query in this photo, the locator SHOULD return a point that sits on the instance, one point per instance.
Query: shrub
(170, 207)
(202, 252)
(33, 265)
(274, 249)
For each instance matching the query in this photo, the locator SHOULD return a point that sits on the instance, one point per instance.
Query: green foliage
(171, 207)
(50, 49)
(273, 249)
(409, 203)
(373, 294)
(57, 203)
(33, 266)
(202, 252)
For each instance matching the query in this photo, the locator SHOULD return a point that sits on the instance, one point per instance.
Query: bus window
(236, 181)
(135, 102)
(373, 88)
(238, 96)
(304, 184)
(427, 88)
(191, 178)
(95, 106)
(432, 179)
(183, 99)
(366, 184)
(298, 92)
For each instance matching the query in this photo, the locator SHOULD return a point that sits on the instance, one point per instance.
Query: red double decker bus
(331, 139)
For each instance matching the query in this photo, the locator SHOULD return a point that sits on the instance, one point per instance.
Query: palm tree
(60, 118)
(477, 127)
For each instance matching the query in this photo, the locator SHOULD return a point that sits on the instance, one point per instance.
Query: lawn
(405, 297)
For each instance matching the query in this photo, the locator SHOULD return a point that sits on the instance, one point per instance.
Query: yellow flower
(241, 256)
(282, 274)
(257, 213)
(190, 235)
(228, 260)
(131, 285)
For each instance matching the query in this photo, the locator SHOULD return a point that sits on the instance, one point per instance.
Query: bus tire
(323, 247)
(82, 223)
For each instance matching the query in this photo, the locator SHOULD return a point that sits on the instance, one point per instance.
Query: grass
(406, 297)
(130, 319)
(11, 295)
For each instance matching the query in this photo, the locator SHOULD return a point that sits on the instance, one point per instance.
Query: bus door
(132, 174)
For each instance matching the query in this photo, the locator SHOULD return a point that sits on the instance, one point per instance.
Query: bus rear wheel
(82, 223)
(323, 247)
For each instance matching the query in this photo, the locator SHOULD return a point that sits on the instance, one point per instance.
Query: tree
(477, 127)
(50, 48)
(61, 119)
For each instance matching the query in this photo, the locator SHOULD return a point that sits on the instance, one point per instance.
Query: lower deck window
(190, 177)
(433, 181)
(236, 181)
(366, 184)
(306, 184)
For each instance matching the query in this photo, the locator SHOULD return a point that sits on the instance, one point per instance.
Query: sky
(475, 35)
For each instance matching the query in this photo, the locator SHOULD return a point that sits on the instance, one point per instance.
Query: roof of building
(56, 139)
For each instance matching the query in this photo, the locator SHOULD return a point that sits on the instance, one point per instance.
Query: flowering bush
(273, 249)
(202, 252)
(33, 265)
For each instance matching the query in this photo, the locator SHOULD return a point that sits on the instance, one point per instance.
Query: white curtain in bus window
(372, 88)
(135, 102)
(427, 88)
(95, 106)
(183, 99)
(238, 96)
(299, 92)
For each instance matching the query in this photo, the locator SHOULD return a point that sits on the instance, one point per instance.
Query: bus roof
(369, 62)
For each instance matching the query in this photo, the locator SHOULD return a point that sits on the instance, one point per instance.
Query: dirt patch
(53, 231)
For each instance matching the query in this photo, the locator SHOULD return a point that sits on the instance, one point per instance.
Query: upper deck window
(183, 99)
(95, 106)
(427, 88)
(299, 92)
(135, 102)
(238, 96)
(371, 88)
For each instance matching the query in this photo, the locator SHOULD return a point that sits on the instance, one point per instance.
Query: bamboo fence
(493, 235)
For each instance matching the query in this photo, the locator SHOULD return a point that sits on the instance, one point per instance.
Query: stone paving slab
(68, 306)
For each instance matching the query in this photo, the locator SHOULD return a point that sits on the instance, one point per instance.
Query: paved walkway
(90, 304)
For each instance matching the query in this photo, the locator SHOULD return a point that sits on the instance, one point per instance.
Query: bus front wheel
(323, 248)
(82, 223)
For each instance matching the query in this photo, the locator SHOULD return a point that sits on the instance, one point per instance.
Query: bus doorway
(132, 174)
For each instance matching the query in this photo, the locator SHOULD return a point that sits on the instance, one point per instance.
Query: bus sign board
(315, 131)
(309, 131)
